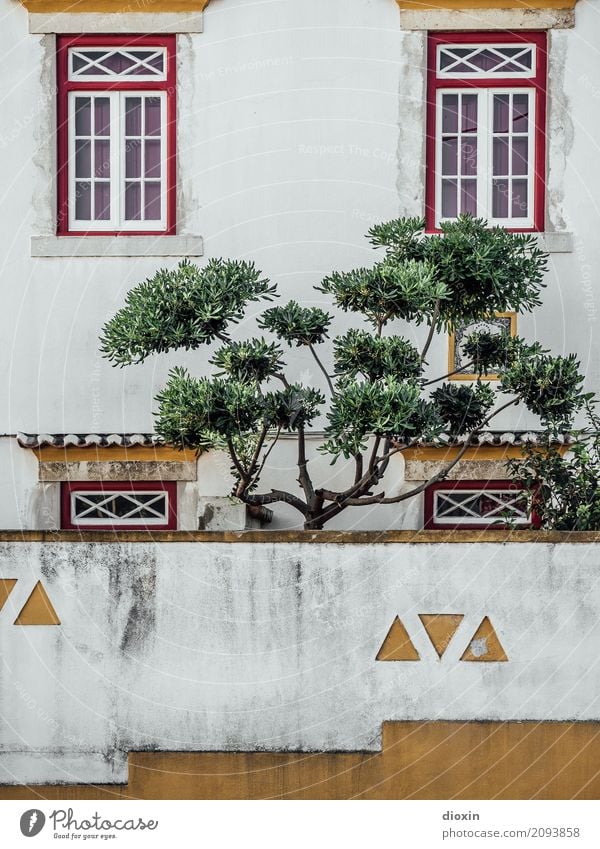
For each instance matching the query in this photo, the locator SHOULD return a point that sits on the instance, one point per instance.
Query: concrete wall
(246, 646)
(299, 126)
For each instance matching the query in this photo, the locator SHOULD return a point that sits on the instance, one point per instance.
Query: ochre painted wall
(420, 760)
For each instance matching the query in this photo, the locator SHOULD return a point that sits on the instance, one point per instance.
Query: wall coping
(305, 537)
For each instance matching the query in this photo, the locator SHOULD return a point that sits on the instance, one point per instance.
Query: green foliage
(483, 270)
(462, 407)
(252, 360)
(294, 407)
(564, 490)
(549, 386)
(184, 308)
(408, 290)
(360, 353)
(297, 325)
(491, 353)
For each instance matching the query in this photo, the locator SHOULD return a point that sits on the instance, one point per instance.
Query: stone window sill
(116, 246)
(556, 242)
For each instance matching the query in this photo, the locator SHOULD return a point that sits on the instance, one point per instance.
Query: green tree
(379, 400)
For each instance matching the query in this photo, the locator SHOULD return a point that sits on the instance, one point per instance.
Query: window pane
(501, 108)
(500, 157)
(102, 160)
(450, 156)
(133, 159)
(102, 116)
(468, 158)
(468, 197)
(152, 159)
(152, 116)
(520, 155)
(83, 159)
(133, 116)
(133, 201)
(520, 113)
(450, 113)
(152, 201)
(83, 116)
(469, 113)
(519, 199)
(500, 199)
(449, 198)
(102, 201)
(83, 201)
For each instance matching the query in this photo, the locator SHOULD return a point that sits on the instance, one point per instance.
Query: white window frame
(442, 73)
(485, 138)
(117, 180)
(488, 520)
(153, 76)
(119, 520)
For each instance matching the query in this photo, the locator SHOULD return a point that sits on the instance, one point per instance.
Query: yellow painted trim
(493, 650)
(397, 644)
(38, 609)
(45, 7)
(419, 760)
(441, 627)
(98, 454)
(452, 342)
(456, 5)
(477, 453)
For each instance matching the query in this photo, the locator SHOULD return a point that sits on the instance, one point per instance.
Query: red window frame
(67, 488)
(430, 523)
(64, 86)
(538, 82)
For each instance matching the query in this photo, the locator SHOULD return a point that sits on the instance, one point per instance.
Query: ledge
(306, 537)
(494, 15)
(116, 246)
(162, 23)
(46, 7)
(557, 242)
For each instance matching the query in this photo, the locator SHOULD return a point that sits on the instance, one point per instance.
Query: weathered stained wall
(210, 646)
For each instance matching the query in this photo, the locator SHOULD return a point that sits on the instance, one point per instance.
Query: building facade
(135, 134)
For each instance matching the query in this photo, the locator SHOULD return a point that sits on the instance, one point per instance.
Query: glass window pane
(152, 159)
(501, 108)
(83, 116)
(469, 113)
(133, 201)
(450, 113)
(133, 116)
(500, 198)
(152, 201)
(133, 158)
(101, 116)
(519, 199)
(500, 156)
(83, 158)
(449, 198)
(152, 127)
(450, 156)
(520, 113)
(520, 155)
(83, 201)
(102, 160)
(468, 197)
(468, 158)
(102, 201)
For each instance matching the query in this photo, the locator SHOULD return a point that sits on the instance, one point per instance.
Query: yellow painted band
(46, 7)
(458, 5)
(95, 454)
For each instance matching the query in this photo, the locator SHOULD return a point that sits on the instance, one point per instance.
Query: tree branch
(432, 329)
(256, 477)
(450, 374)
(274, 496)
(323, 369)
(304, 478)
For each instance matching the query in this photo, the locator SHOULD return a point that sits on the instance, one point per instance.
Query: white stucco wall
(299, 126)
(217, 646)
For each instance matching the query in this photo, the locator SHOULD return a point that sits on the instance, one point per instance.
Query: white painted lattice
(119, 507)
(99, 64)
(480, 506)
(486, 60)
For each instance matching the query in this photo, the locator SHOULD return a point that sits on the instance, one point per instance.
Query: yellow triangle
(6, 587)
(440, 628)
(38, 609)
(485, 646)
(397, 645)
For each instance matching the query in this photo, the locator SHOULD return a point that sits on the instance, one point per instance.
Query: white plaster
(116, 246)
(557, 243)
(137, 22)
(487, 19)
(237, 647)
